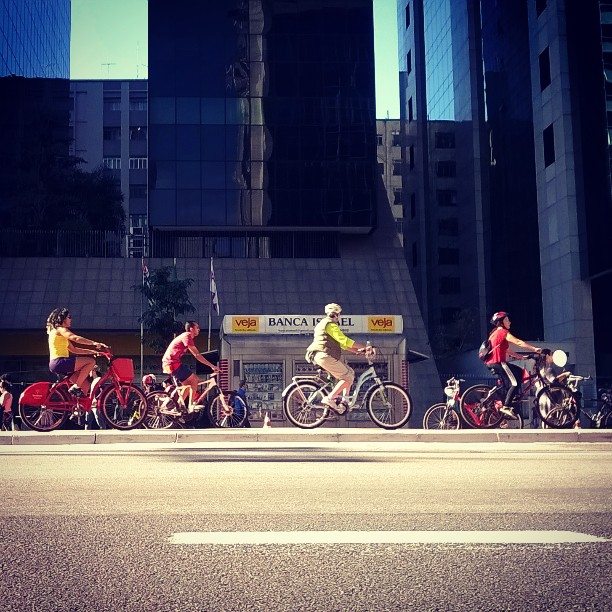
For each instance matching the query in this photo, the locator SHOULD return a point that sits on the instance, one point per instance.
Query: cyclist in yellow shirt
(62, 342)
(326, 349)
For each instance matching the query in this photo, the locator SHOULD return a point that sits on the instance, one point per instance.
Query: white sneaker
(331, 403)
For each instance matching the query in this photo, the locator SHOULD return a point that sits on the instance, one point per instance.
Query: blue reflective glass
(213, 110)
(188, 110)
(213, 175)
(213, 207)
(162, 110)
(213, 142)
(189, 207)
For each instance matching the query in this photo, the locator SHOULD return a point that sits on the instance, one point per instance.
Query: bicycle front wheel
(159, 404)
(303, 407)
(440, 416)
(124, 406)
(51, 414)
(389, 405)
(229, 414)
(557, 407)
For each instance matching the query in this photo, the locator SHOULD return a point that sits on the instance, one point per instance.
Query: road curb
(287, 434)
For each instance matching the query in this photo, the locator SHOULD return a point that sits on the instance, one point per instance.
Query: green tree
(167, 298)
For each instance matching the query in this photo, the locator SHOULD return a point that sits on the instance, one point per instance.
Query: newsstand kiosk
(268, 350)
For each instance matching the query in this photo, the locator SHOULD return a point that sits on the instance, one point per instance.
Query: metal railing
(61, 243)
(157, 243)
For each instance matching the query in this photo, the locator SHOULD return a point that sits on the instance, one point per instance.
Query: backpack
(485, 350)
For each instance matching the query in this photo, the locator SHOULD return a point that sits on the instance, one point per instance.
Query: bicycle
(445, 415)
(45, 406)
(388, 404)
(601, 418)
(480, 404)
(167, 407)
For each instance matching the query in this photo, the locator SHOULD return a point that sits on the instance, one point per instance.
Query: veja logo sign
(381, 324)
(245, 324)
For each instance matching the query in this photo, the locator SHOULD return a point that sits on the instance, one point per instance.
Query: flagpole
(141, 321)
(210, 301)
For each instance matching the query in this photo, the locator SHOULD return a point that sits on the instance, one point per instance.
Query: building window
(411, 156)
(445, 140)
(112, 163)
(381, 168)
(447, 197)
(397, 168)
(410, 110)
(379, 139)
(549, 145)
(397, 196)
(409, 62)
(112, 133)
(407, 16)
(540, 6)
(449, 285)
(396, 139)
(448, 257)
(544, 61)
(399, 226)
(112, 104)
(448, 227)
(412, 205)
(138, 104)
(138, 132)
(414, 255)
(138, 191)
(446, 169)
(138, 163)
(450, 314)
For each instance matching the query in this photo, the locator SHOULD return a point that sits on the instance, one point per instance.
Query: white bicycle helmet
(333, 309)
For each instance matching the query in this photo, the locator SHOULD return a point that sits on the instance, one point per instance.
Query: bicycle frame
(327, 385)
(211, 383)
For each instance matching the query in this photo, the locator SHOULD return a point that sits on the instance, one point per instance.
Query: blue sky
(109, 40)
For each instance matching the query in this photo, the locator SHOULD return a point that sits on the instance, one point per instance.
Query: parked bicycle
(388, 404)
(445, 415)
(601, 416)
(45, 406)
(167, 407)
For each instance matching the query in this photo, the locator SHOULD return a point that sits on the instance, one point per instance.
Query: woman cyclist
(511, 374)
(62, 342)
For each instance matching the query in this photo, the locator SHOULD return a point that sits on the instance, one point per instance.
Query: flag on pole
(145, 270)
(213, 288)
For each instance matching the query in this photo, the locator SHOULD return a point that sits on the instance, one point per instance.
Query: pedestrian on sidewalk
(6, 405)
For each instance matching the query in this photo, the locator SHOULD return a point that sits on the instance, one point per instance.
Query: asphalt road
(91, 528)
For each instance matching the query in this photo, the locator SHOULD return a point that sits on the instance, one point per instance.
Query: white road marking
(382, 537)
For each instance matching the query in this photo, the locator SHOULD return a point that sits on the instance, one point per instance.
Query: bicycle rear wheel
(159, 403)
(124, 406)
(51, 414)
(479, 407)
(303, 407)
(439, 416)
(232, 417)
(389, 405)
(557, 407)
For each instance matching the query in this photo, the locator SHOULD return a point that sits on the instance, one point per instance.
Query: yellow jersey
(58, 345)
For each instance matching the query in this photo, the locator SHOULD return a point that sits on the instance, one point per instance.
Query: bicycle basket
(124, 369)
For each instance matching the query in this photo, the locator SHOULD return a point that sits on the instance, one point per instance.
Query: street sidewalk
(288, 434)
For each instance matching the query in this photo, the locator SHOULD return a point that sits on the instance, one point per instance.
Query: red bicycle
(45, 406)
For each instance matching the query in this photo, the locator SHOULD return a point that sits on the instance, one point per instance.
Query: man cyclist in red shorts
(171, 361)
(500, 339)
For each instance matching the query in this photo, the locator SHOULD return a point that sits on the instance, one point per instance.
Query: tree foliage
(167, 299)
(43, 187)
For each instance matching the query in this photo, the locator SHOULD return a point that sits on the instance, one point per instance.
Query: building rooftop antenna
(108, 65)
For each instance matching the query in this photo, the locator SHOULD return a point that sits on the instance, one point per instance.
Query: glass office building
(262, 116)
(35, 38)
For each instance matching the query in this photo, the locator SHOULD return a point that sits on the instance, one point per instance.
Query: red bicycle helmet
(498, 317)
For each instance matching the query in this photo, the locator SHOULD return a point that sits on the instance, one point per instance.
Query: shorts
(62, 365)
(335, 367)
(182, 373)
